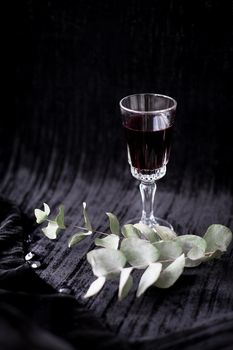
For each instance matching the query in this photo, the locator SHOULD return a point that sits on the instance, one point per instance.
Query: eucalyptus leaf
(129, 230)
(193, 263)
(114, 224)
(111, 241)
(51, 230)
(147, 232)
(78, 237)
(46, 209)
(139, 252)
(165, 233)
(126, 282)
(42, 215)
(168, 250)
(106, 262)
(87, 221)
(196, 253)
(95, 287)
(217, 237)
(149, 277)
(60, 218)
(193, 247)
(171, 274)
(187, 242)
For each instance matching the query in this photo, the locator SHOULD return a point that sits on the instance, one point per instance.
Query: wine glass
(148, 121)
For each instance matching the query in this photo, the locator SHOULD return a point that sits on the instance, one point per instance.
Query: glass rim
(152, 111)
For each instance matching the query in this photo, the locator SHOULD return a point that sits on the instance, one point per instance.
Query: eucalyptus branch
(160, 252)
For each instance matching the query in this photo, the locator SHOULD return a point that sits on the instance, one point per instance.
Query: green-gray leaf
(193, 263)
(165, 233)
(106, 262)
(147, 232)
(195, 256)
(149, 277)
(95, 287)
(126, 282)
(138, 252)
(87, 221)
(193, 247)
(46, 208)
(111, 241)
(78, 237)
(60, 218)
(114, 224)
(217, 237)
(196, 253)
(168, 250)
(129, 230)
(187, 242)
(171, 274)
(42, 215)
(51, 230)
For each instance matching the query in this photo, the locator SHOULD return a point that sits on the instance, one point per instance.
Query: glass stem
(148, 190)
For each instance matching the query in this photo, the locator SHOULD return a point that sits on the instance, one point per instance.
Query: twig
(85, 229)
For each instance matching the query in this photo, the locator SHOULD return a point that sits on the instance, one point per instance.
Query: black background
(74, 61)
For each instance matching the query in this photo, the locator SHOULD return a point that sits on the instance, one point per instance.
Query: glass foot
(157, 221)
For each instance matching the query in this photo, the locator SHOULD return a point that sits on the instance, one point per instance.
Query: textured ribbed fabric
(34, 316)
(74, 61)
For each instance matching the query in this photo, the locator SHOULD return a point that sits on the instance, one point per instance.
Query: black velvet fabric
(33, 315)
(74, 61)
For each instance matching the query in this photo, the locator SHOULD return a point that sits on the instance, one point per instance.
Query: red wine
(149, 142)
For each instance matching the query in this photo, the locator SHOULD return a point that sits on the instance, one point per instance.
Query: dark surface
(74, 61)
